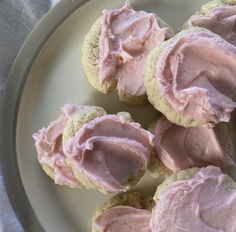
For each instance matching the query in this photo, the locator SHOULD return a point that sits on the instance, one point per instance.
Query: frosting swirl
(181, 148)
(110, 152)
(127, 36)
(196, 74)
(207, 202)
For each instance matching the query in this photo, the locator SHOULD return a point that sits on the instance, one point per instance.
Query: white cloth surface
(17, 18)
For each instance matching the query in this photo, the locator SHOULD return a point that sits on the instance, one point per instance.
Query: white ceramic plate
(47, 74)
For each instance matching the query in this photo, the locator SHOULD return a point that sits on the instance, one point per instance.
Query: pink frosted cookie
(191, 78)
(109, 153)
(203, 200)
(180, 148)
(86, 147)
(129, 212)
(116, 48)
(217, 16)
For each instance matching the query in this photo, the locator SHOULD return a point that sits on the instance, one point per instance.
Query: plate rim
(10, 106)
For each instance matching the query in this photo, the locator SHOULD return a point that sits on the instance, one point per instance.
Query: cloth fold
(17, 19)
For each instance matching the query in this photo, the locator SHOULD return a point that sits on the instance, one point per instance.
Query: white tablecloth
(17, 18)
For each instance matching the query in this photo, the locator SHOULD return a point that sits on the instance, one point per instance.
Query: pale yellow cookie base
(157, 169)
(49, 171)
(126, 116)
(230, 2)
(179, 175)
(90, 56)
(79, 119)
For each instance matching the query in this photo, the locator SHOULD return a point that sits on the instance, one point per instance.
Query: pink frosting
(127, 36)
(221, 20)
(205, 203)
(196, 73)
(181, 148)
(48, 142)
(123, 218)
(109, 149)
